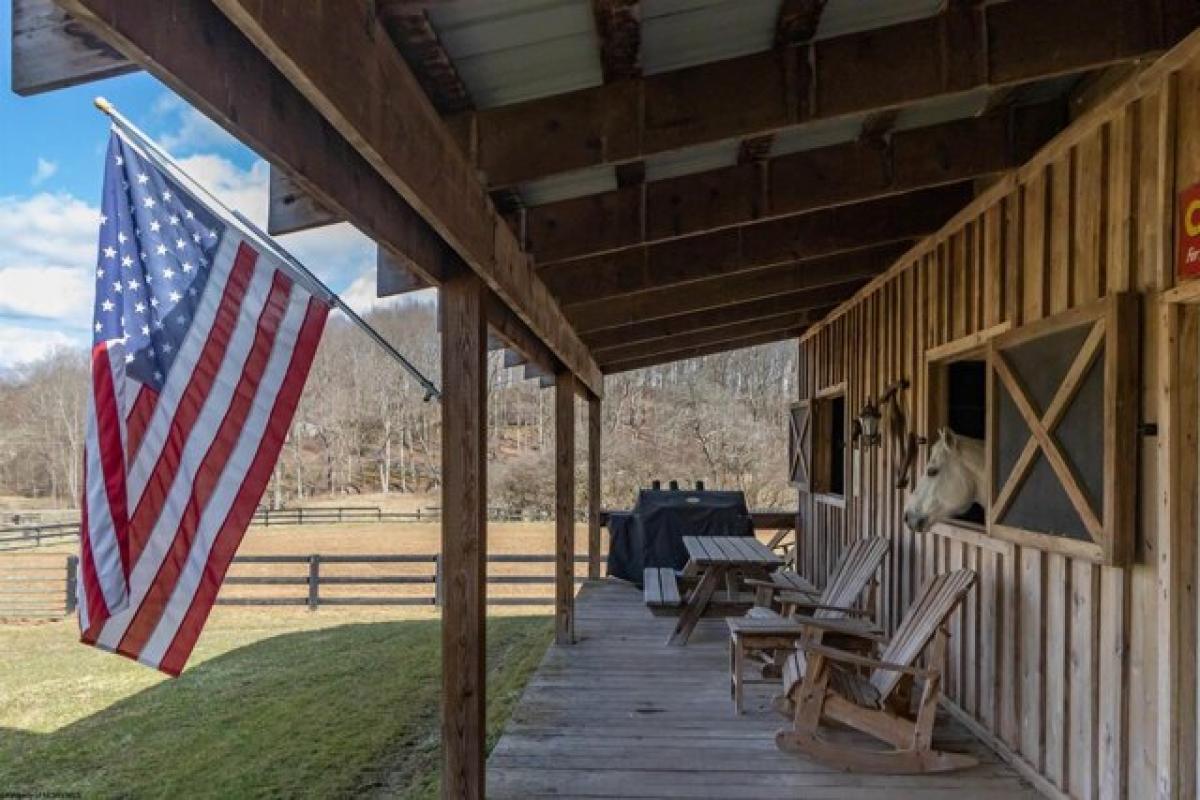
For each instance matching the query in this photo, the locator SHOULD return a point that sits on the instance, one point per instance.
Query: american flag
(202, 342)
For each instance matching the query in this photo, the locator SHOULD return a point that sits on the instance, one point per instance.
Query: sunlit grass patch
(282, 704)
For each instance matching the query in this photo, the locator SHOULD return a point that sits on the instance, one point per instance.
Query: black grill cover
(652, 534)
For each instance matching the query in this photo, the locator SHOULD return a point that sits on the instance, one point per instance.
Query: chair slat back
(937, 601)
(851, 575)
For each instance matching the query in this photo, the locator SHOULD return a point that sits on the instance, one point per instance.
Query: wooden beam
(291, 209)
(619, 26)
(764, 92)
(516, 335)
(264, 110)
(464, 535)
(50, 50)
(595, 411)
(754, 246)
(790, 184)
(718, 292)
(408, 25)
(337, 54)
(697, 352)
(564, 509)
(812, 301)
(798, 21)
(418, 42)
(686, 341)
(393, 277)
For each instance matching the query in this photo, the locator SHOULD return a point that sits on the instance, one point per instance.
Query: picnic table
(717, 560)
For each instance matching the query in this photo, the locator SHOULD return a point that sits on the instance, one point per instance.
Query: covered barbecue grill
(651, 535)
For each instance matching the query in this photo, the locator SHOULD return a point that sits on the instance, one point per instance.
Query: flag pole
(268, 243)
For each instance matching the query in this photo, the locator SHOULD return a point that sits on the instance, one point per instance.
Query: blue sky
(51, 165)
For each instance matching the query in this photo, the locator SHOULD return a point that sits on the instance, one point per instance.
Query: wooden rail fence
(23, 537)
(35, 586)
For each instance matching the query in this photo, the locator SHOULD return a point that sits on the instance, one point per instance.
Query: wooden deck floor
(620, 714)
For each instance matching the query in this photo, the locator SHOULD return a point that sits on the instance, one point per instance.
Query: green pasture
(273, 704)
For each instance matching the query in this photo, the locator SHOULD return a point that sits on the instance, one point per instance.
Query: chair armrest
(766, 583)
(769, 584)
(833, 654)
(848, 627)
(798, 599)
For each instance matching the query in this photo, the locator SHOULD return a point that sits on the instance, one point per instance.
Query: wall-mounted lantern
(868, 424)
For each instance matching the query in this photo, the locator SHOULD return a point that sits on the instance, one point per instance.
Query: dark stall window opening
(829, 445)
(962, 385)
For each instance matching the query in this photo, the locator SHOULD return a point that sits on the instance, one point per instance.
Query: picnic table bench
(717, 560)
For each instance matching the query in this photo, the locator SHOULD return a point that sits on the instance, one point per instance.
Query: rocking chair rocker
(831, 686)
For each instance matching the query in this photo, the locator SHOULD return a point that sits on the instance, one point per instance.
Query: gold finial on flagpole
(103, 104)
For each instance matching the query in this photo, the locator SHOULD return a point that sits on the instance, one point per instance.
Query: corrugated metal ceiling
(943, 109)
(701, 158)
(822, 133)
(847, 16)
(507, 51)
(683, 33)
(568, 185)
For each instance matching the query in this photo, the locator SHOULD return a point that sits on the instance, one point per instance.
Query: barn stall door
(800, 445)
(1063, 398)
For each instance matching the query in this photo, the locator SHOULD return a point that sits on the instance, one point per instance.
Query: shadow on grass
(333, 712)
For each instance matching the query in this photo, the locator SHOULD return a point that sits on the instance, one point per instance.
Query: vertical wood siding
(1052, 657)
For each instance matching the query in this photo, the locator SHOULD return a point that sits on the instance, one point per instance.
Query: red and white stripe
(195, 458)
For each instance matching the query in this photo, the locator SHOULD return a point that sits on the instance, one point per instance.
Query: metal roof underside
(511, 51)
(507, 51)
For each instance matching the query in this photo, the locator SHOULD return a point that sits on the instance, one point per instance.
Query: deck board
(621, 714)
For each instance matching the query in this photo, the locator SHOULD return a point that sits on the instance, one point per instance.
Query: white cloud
(43, 171)
(360, 294)
(45, 292)
(190, 130)
(243, 190)
(57, 229)
(47, 261)
(20, 345)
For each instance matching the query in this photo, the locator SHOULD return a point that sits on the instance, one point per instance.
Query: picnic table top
(727, 550)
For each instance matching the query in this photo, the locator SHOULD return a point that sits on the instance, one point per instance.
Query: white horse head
(953, 481)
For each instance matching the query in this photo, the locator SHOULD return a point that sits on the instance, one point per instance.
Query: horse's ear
(949, 437)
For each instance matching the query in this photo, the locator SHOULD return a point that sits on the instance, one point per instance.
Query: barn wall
(1053, 658)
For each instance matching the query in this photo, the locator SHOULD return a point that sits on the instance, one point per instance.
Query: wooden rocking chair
(831, 686)
(846, 583)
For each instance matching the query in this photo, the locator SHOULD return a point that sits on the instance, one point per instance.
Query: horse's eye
(932, 472)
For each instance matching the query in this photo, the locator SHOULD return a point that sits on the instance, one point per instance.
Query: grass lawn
(274, 703)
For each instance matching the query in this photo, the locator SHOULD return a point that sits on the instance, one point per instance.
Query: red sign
(1188, 264)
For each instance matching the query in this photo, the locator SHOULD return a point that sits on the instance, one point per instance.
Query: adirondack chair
(846, 583)
(762, 630)
(833, 687)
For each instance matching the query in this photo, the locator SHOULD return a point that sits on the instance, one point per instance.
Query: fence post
(72, 571)
(437, 580)
(300, 516)
(339, 513)
(314, 581)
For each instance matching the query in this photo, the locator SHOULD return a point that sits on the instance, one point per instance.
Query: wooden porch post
(594, 408)
(564, 508)
(464, 529)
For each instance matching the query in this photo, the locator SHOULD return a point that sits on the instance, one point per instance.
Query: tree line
(363, 427)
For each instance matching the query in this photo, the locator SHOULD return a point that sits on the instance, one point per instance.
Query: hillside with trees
(363, 426)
